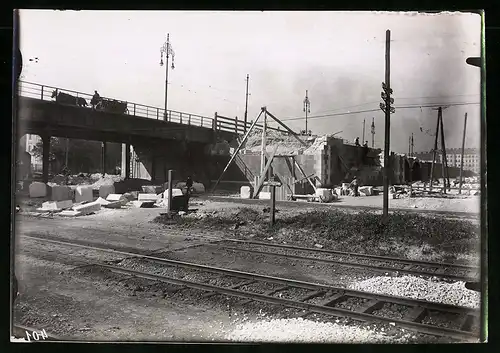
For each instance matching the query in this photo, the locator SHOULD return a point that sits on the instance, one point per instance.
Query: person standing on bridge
(95, 100)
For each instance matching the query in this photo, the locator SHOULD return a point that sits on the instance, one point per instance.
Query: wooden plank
(417, 314)
(339, 297)
(273, 291)
(371, 306)
(262, 177)
(311, 295)
(236, 152)
(467, 322)
(304, 174)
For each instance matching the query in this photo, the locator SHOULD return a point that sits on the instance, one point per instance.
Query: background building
(472, 158)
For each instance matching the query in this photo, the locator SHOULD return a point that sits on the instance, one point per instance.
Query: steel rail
(356, 265)
(352, 254)
(278, 280)
(322, 309)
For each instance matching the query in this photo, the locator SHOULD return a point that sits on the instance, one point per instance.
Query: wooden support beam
(304, 174)
(287, 129)
(262, 176)
(236, 151)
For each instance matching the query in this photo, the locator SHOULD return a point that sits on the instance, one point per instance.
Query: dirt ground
(80, 307)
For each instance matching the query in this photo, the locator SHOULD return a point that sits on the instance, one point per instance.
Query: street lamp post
(166, 50)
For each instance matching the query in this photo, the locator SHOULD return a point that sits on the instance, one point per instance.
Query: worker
(96, 98)
(354, 185)
(357, 142)
(189, 185)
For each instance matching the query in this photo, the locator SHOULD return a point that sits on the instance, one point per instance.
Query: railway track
(449, 271)
(416, 315)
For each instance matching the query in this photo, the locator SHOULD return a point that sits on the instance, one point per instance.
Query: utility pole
(409, 146)
(166, 50)
(412, 145)
(434, 150)
(373, 132)
(246, 107)
(307, 108)
(363, 140)
(462, 156)
(388, 110)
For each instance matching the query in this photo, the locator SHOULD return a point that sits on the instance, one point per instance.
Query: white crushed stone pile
(418, 288)
(301, 330)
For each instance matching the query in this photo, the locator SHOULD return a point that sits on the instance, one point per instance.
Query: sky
(339, 57)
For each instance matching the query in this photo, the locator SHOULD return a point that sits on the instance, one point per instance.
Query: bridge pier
(153, 166)
(45, 157)
(126, 157)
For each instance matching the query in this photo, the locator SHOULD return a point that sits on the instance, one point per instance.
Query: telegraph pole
(166, 50)
(307, 108)
(373, 132)
(246, 107)
(388, 110)
(363, 140)
(412, 144)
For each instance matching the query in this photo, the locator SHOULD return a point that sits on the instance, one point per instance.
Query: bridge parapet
(45, 93)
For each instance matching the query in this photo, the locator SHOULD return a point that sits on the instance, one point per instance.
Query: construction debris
(88, 207)
(38, 189)
(148, 197)
(57, 205)
(70, 213)
(60, 193)
(105, 190)
(83, 193)
(143, 204)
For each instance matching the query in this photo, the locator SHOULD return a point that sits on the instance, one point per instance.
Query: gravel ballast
(301, 330)
(418, 288)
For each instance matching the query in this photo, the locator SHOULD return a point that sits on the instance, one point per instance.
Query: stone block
(102, 201)
(263, 195)
(83, 193)
(246, 192)
(152, 189)
(175, 192)
(60, 193)
(70, 213)
(57, 205)
(38, 189)
(143, 204)
(325, 195)
(41, 209)
(114, 204)
(88, 207)
(115, 197)
(147, 197)
(366, 190)
(105, 190)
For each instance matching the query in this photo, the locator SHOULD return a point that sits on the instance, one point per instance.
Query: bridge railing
(220, 123)
(48, 93)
